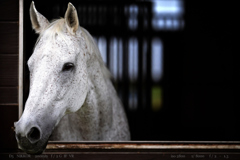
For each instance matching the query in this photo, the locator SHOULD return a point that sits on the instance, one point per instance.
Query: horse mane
(58, 27)
(97, 53)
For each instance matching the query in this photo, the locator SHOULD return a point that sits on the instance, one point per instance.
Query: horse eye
(67, 66)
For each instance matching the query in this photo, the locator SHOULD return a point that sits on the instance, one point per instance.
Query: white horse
(71, 96)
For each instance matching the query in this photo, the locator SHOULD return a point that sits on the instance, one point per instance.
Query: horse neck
(96, 113)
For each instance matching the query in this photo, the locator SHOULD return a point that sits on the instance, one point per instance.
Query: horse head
(58, 71)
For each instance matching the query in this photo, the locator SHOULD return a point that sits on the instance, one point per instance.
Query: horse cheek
(78, 94)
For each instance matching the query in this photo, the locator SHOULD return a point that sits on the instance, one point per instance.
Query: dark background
(199, 83)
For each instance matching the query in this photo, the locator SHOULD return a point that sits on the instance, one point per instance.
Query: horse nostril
(34, 135)
(18, 136)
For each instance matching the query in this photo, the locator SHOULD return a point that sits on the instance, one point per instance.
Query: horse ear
(39, 22)
(71, 18)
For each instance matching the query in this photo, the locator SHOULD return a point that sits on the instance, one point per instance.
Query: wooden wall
(9, 22)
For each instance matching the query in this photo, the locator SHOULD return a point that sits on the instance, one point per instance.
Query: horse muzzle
(31, 141)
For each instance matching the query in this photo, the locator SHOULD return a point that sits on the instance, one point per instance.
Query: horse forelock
(56, 27)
